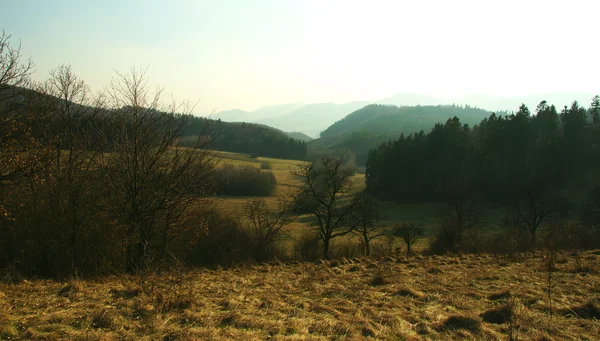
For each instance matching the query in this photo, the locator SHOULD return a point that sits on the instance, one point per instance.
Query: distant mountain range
(312, 119)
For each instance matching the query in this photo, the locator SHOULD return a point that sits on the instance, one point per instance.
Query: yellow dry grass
(393, 298)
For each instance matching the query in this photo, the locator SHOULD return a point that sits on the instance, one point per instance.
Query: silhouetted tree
(149, 176)
(409, 233)
(323, 183)
(266, 226)
(364, 220)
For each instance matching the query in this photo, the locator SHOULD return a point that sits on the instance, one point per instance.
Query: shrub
(225, 241)
(265, 165)
(308, 247)
(245, 181)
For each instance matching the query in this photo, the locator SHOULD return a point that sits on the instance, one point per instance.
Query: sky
(226, 54)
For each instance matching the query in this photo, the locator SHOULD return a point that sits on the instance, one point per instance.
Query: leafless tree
(266, 225)
(69, 186)
(14, 72)
(152, 180)
(530, 211)
(461, 214)
(364, 219)
(323, 183)
(409, 232)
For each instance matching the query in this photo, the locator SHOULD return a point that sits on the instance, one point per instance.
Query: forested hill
(248, 138)
(385, 119)
(300, 136)
(525, 156)
(366, 128)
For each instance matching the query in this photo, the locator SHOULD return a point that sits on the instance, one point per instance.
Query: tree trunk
(326, 248)
(408, 250)
(367, 247)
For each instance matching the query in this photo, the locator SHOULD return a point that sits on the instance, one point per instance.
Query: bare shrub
(307, 246)
(265, 226)
(224, 242)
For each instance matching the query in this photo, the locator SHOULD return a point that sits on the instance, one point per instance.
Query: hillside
(472, 297)
(271, 111)
(247, 138)
(374, 124)
(313, 118)
(300, 136)
(389, 119)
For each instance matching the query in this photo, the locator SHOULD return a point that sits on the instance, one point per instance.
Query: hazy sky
(250, 53)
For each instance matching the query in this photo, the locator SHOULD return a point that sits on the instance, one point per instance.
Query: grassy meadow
(472, 297)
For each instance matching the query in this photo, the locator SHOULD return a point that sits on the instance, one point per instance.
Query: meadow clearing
(474, 297)
(385, 297)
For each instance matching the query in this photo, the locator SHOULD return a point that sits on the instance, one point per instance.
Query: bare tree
(17, 151)
(14, 72)
(323, 183)
(266, 225)
(364, 220)
(409, 232)
(530, 211)
(69, 175)
(461, 214)
(152, 180)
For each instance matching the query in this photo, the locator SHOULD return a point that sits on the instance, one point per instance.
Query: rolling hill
(374, 124)
(311, 119)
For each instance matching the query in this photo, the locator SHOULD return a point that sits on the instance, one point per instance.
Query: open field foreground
(395, 298)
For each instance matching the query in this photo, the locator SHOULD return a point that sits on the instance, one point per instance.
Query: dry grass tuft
(589, 310)
(434, 271)
(502, 295)
(407, 292)
(125, 293)
(458, 322)
(378, 280)
(498, 315)
(103, 319)
(69, 289)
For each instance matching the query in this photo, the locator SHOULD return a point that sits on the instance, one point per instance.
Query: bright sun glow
(247, 54)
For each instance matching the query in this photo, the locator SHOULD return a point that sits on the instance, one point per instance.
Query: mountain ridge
(311, 119)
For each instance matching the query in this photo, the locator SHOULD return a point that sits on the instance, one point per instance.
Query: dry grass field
(473, 297)
(476, 297)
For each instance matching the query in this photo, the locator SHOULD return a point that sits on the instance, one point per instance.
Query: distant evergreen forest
(368, 127)
(502, 156)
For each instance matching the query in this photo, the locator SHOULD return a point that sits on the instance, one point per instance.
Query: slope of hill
(233, 137)
(374, 124)
(271, 111)
(234, 115)
(313, 118)
(299, 136)
(377, 118)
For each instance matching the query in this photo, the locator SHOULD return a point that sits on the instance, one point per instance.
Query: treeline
(245, 138)
(368, 127)
(382, 118)
(541, 168)
(498, 157)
